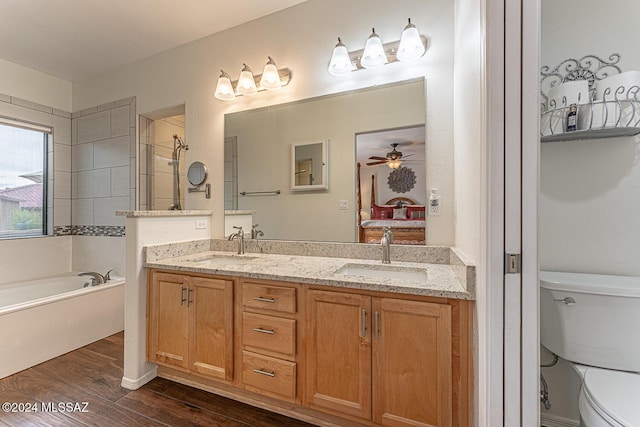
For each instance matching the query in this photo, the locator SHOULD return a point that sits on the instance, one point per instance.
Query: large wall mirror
(259, 167)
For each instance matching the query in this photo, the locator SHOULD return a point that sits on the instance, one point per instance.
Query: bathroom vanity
(331, 340)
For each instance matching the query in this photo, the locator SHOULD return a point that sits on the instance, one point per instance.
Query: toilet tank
(599, 327)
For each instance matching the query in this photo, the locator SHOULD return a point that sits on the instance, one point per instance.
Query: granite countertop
(160, 213)
(441, 280)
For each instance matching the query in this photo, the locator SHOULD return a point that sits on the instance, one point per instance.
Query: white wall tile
(120, 181)
(94, 183)
(62, 157)
(120, 121)
(62, 185)
(94, 127)
(81, 157)
(111, 153)
(61, 130)
(82, 212)
(74, 185)
(61, 212)
(105, 210)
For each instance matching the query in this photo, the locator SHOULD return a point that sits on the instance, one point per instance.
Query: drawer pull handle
(264, 331)
(272, 300)
(267, 373)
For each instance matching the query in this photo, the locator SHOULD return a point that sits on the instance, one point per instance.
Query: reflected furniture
(406, 219)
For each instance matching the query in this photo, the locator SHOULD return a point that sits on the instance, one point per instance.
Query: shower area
(162, 162)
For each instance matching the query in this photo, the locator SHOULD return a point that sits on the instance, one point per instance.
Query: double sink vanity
(329, 335)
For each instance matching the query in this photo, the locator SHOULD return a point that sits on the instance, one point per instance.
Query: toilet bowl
(608, 398)
(593, 322)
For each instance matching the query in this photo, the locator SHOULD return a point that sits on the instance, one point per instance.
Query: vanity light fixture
(375, 54)
(224, 88)
(340, 63)
(270, 78)
(411, 45)
(248, 84)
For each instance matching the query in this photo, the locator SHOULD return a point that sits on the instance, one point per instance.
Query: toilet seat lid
(615, 393)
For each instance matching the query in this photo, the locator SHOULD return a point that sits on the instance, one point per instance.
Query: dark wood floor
(92, 374)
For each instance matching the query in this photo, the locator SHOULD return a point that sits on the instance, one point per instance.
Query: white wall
(300, 38)
(25, 83)
(589, 189)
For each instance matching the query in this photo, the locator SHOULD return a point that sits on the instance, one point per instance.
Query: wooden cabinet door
(211, 346)
(339, 352)
(168, 320)
(412, 363)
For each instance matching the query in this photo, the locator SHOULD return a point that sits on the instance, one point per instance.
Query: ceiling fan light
(270, 77)
(394, 164)
(246, 82)
(411, 45)
(224, 88)
(374, 55)
(340, 63)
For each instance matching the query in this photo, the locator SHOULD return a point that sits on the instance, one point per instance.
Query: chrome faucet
(385, 242)
(255, 233)
(96, 278)
(239, 236)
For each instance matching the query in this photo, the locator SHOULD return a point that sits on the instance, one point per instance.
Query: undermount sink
(222, 259)
(384, 271)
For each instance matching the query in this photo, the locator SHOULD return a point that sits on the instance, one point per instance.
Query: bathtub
(45, 318)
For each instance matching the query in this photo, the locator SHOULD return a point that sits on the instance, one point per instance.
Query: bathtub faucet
(96, 278)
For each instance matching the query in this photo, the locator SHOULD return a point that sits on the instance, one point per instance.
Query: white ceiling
(76, 39)
(411, 143)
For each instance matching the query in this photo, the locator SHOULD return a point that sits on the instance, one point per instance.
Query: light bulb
(373, 55)
(394, 164)
(224, 89)
(411, 45)
(340, 63)
(270, 78)
(246, 82)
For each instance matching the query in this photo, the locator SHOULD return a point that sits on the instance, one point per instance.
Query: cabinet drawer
(267, 297)
(269, 333)
(268, 375)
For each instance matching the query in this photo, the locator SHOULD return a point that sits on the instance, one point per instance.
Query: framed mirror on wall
(309, 166)
(266, 141)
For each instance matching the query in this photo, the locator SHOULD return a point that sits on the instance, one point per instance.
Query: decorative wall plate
(402, 180)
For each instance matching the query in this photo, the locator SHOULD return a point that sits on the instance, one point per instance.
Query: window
(23, 179)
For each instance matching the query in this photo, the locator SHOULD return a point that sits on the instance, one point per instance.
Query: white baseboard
(548, 420)
(134, 384)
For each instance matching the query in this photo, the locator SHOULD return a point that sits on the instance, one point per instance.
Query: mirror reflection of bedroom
(391, 185)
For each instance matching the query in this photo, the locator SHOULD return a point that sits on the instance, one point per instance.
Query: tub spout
(96, 278)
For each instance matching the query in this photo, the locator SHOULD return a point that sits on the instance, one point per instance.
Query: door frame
(508, 306)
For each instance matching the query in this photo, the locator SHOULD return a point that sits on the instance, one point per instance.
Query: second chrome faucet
(385, 242)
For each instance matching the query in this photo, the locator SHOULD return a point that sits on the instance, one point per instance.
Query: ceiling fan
(393, 158)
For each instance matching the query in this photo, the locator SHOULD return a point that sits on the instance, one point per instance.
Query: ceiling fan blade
(377, 158)
(376, 163)
(407, 155)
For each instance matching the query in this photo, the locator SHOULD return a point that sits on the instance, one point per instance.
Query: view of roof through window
(22, 175)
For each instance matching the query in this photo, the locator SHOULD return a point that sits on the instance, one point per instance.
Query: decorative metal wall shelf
(614, 112)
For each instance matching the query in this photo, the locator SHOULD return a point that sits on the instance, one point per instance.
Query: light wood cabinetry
(384, 359)
(339, 352)
(190, 324)
(326, 355)
(269, 339)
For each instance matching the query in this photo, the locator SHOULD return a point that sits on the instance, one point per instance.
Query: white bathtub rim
(114, 282)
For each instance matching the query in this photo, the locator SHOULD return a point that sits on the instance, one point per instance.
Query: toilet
(593, 322)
